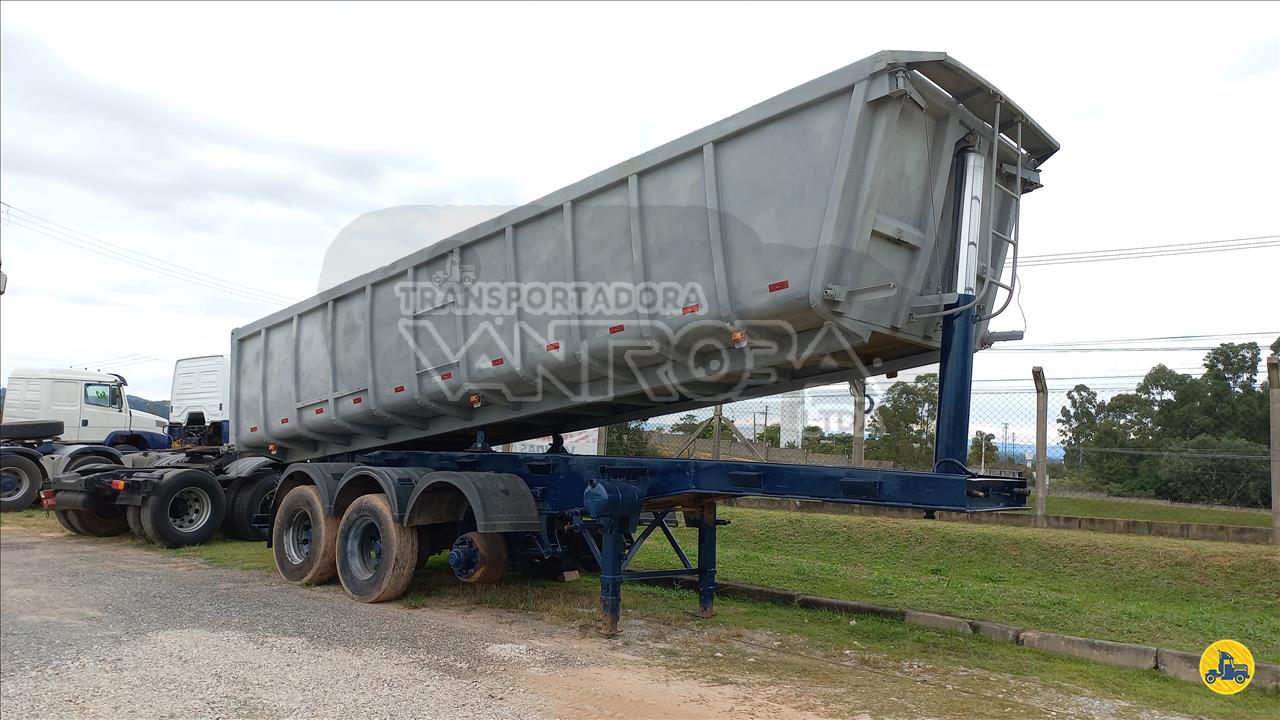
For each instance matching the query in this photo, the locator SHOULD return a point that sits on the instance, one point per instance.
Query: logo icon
(1226, 667)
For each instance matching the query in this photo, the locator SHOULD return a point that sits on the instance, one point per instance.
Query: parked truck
(857, 225)
(58, 420)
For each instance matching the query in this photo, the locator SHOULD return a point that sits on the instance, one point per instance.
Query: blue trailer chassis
(605, 497)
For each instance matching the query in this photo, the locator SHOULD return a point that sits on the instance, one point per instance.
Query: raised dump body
(802, 241)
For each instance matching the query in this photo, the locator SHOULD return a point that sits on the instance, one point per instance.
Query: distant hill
(155, 407)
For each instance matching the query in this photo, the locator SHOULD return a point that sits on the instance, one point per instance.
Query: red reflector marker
(617, 329)
(475, 400)
(319, 411)
(284, 421)
(357, 400)
(552, 347)
(398, 388)
(780, 285)
(446, 376)
(117, 484)
(690, 309)
(253, 428)
(496, 362)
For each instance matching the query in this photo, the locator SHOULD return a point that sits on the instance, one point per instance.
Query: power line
(83, 241)
(1151, 251)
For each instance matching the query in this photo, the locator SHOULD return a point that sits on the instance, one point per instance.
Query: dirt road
(94, 628)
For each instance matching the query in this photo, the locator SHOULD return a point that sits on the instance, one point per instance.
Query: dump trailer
(856, 225)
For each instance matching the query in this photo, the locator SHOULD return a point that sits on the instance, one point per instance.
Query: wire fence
(1184, 440)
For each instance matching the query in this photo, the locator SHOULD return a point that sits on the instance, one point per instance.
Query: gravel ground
(94, 629)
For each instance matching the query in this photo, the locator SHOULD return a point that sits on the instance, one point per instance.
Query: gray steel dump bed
(799, 242)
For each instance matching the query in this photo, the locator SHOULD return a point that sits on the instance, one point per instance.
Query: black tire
(133, 515)
(186, 509)
(304, 538)
(108, 521)
(64, 519)
(20, 482)
(92, 459)
(376, 555)
(228, 523)
(253, 497)
(31, 430)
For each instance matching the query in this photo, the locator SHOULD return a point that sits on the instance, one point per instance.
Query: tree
(903, 424)
(982, 449)
(771, 435)
(1233, 366)
(628, 439)
(686, 424)
(810, 437)
(1078, 424)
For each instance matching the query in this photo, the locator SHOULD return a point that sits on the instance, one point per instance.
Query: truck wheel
(91, 459)
(228, 523)
(64, 519)
(133, 515)
(376, 554)
(186, 509)
(106, 522)
(20, 481)
(253, 497)
(304, 538)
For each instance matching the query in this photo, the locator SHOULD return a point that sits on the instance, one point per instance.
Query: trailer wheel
(478, 557)
(186, 509)
(228, 523)
(376, 554)
(106, 522)
(64, 519)
(304, 538)
(133, 515)
(90, 459)
(20, 481)
(253, 497)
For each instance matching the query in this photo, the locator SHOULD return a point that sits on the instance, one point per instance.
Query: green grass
(1170, 593)
(1178, 594)
(1132, 509)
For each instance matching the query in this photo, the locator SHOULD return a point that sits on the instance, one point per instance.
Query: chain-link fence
(1172, 437)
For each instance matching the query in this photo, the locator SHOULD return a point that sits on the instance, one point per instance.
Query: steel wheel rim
(13, 483)
(364, 548)
(297, 537)
(190, 509)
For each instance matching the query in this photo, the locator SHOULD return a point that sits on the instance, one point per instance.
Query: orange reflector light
(738, 338)
(273, 448)
(117, 484)
(475, 399)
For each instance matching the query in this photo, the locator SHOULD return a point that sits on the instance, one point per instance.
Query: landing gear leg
(611, 556)
(705, 520)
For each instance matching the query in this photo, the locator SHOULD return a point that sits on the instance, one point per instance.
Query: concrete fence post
(1042, 446)
(1273, 378)
(715, 433)
(858, 389)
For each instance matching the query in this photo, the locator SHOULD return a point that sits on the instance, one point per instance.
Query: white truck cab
(199, 403)
(93, 407)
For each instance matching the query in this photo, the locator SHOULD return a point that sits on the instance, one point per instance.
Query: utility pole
(1004, 441)
(1273, 378)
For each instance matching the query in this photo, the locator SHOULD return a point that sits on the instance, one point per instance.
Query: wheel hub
(190, 509)
(364, 549)
(297, 537)
(463, 558)
(12, 484)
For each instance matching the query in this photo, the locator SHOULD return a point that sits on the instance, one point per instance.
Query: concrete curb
(1174, 663)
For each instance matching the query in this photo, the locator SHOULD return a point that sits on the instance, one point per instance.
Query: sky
(239, 139)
